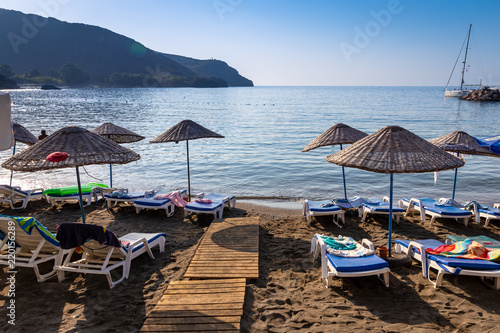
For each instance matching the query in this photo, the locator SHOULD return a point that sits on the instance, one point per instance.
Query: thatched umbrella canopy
(21, 134)
(338, 134)
(461, 143)
(184, 131)
(119, 135)
(393, 149)
(82, 146)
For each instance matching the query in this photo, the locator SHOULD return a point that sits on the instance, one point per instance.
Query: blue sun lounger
(332, 265)
(488, 271)
(429, 206)
(157, 203)
(112, 199)
(216, 207)
(376, 206)
(487, 212)
(322, 208)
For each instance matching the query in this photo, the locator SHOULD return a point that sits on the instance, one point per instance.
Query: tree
(33, 73)
(54, 73)
(73, 74)
(7, 71)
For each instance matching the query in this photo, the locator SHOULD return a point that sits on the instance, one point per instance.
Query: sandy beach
(289, 296)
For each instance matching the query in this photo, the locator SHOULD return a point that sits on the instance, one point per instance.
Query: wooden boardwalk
(228, 256)
(229, 249)
(199, 305)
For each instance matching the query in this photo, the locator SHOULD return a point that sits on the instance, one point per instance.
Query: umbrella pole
(189, 180)
(13, 153)
(80, 194)
(343, 176)
(110, 175)
(390, 219)
(454, 184)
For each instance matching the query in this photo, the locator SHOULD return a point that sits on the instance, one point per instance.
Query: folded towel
(345, 247)
(175, 197)
(162, 196)
(204, 201)
(327, 205)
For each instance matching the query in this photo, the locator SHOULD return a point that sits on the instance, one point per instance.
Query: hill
(211, 68)
(33, 42)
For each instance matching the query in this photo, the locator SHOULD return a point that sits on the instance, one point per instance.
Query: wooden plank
(162, 311)
(222, 327)
(200, 300)
(200, 307)
(207, 290)
(214, 281)
(192, 320)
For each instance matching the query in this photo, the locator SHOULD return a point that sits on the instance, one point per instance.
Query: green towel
(331, 242)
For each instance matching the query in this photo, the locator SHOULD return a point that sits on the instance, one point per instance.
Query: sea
(259, 160)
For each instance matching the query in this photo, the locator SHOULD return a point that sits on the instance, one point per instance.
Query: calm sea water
(265, 129)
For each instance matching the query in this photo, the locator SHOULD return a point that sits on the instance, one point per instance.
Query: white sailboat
(462, 91)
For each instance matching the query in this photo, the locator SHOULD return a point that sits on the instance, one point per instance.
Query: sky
(306, 43)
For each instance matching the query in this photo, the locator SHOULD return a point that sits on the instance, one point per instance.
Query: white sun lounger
(429, 206)
(124, 196)
(12, 195)
(102, 258)
(157, 203)
(322, 208)
(376, 206)
(27, 243)
(332, 265)
(488, 271)
(486, 212)
(216, 207)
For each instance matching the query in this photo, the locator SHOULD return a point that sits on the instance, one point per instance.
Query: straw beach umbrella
(119, 135)
(391, 150)
(338, 134)
(21, 134)
(461, 143)
(184, 131)
(82, 148)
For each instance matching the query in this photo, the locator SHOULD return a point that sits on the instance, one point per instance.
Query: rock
(49, 87)
(483, 94)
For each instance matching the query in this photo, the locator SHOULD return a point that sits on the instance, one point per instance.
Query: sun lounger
(333, 265)
(429, 206)
(215, 207)
(113, 198)
(376, 206)
(28, 244)
(12, 195)
(103, 252)
(496, 205)
(488, 271)
(70, 193)
(157, 202)
(322, 208)
(486, 212)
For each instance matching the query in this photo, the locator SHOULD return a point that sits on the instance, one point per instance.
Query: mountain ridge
(30, 41)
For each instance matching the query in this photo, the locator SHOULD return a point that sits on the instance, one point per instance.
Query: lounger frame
(102, 259)
(225, 201)
(364, 211)
(14, 194)
(33, 249)
(328, 271)
(420, 208)
(491, 278)
(336, 214)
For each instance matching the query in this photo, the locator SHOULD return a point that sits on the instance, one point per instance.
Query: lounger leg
(364, 216)
(492, 282)
(439, 279)
(432, 219)
(385, 278)
(397, 216)
(486, 222)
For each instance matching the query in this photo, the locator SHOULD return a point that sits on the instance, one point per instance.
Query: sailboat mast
(465, 58)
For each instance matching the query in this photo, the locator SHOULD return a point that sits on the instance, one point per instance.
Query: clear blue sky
(295, 42)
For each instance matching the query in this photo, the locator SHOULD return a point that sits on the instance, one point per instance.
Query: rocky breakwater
(484, 94)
